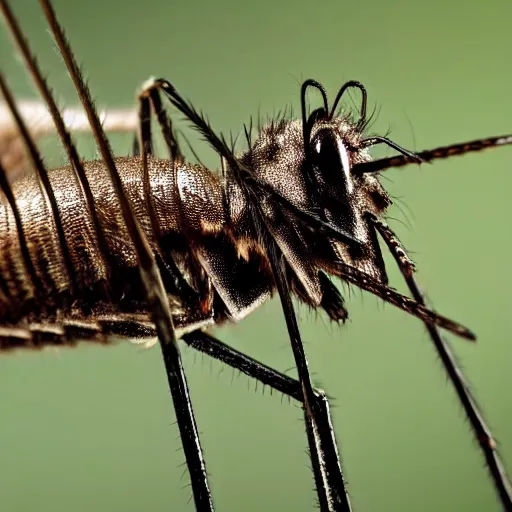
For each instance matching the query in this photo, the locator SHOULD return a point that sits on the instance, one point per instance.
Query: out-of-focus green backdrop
(93, 428)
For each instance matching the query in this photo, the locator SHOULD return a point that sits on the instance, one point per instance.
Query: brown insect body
(203, 227)
(81, 251)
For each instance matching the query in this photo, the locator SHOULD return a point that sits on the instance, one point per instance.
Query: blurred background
(93, 428)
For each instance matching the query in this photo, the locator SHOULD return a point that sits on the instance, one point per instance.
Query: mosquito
(162, 249)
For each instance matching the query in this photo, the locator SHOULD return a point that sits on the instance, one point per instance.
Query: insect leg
(211, 346)
(151, 279)
(170, 271)
(366, 282)
(204, 342)
(165, 124)
(326, 465)
(144, 136)
(39, 281)
(102, 253)
(33, 284)
(37, 161)
(481, 431)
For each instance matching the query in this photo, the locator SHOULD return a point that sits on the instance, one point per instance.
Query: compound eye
(324, 146)
(331, 158)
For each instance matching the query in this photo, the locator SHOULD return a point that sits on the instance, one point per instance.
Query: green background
(92, 428)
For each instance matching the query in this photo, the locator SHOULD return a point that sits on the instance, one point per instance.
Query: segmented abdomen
(99, 292)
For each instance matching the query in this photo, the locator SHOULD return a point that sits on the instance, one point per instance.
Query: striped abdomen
(185, 220)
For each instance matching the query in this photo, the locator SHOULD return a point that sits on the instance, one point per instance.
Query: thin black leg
(153, 286)
(481, 431)
(332, 493)
(207, 344)
(145, 137)
(165, 125)
(318, 422)
(64, 136)
(324, 452)
(331, 490)
(211, 346)
(44, 183)
(168, 267)
(410, 306)
(5, 187)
